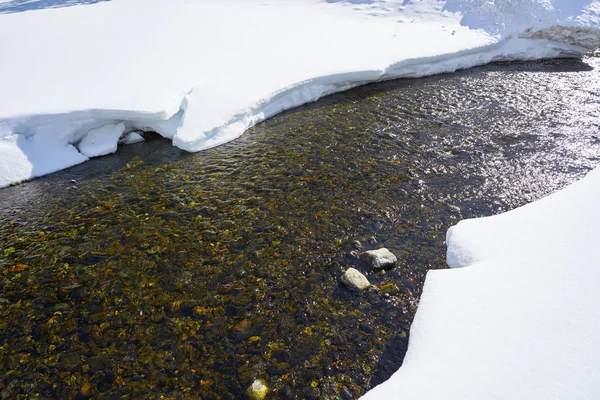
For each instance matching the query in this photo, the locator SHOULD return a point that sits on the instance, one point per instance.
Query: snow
(131, 138)
(22, 156)
(202, 72)
(520, 317)
(101, 141)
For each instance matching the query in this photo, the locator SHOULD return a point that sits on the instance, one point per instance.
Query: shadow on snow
(17, 6)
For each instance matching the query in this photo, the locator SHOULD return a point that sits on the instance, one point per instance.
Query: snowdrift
(78, 76)
(522, 319)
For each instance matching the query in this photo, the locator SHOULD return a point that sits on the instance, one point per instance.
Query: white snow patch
(201, 73)
(521, 318)
(101, 141)
(25, 157)
(131, 138)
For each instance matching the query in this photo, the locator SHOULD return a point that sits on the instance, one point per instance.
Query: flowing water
(154, 273)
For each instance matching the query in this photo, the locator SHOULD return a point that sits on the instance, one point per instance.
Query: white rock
(379, 259)
(354, 280)
(258, 390)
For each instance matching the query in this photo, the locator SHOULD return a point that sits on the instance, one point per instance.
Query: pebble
(379, 259)
(390, 288)
(258, 390)
(354, 280)
(244, 327)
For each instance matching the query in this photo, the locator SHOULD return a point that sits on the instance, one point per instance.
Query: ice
(25, 157)
(131, 138)
(201, 73)
(520, 317)
(101, 141)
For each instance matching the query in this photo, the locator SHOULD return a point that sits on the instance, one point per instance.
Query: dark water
(161, 274)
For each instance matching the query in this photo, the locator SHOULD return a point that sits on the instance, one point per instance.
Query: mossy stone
(258, 390)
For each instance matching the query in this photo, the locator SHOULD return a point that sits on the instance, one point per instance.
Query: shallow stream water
(154, 273)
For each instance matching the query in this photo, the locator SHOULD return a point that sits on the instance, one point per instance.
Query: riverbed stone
(258, 390)
(390, 288)
(379, 259)
(354, 280)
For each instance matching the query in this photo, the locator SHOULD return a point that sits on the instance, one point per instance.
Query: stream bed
(154, 273)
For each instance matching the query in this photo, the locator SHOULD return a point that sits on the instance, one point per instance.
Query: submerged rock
(379, 259)
(244, 327)
(390, 288)
(258, 390)
(242, 330)
(354, 280)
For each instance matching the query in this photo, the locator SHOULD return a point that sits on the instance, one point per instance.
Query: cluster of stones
(354, 280)
(377, 260)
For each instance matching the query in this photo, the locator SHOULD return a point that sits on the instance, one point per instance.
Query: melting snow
(201, 73)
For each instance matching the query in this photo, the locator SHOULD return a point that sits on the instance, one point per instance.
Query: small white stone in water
(379, 259)
(258, 390)
(354, 280)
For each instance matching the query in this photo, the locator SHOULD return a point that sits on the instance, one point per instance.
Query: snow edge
(179, 122)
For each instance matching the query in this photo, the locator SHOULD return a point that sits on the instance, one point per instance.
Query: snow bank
(202, 72)
(522, 321)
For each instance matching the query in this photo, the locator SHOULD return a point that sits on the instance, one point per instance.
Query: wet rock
(279, 369)
(242, 331)
(281, 356)
(85, 390)
(244, 327)
(354, 280)
(357, 244)
(246, 374)
(379, 259)
(258, 390)
(390, 288)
